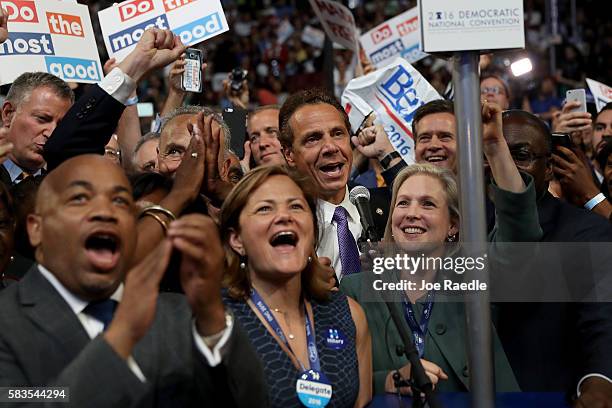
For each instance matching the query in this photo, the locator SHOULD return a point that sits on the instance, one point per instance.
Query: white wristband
(594, 201)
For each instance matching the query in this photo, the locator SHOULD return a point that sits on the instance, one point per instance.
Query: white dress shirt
(328, 230)
(94, 327)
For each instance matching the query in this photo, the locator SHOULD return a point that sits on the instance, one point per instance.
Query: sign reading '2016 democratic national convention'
(192, 20)
(462, 25)
(49, 36)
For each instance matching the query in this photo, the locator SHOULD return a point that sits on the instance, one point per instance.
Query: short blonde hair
(314, 282)
(444, 176)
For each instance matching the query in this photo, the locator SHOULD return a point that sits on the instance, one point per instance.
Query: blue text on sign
(199, 30)
(387, 51)
(398, 90)
(27, 44)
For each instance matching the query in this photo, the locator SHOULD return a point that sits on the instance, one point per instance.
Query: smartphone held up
(577, 95)
(192, 80)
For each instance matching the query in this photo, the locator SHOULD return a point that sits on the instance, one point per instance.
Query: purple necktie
(349, 254)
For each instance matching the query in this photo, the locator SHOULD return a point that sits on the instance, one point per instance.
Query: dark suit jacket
(86, 128)
(551, 346)
(380, 199)
(5, 177)
(43, 343)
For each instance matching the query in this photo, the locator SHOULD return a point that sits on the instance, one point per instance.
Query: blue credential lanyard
(419, 330)
(313, 355)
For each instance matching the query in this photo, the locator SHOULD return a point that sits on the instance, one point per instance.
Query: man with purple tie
(316, 140)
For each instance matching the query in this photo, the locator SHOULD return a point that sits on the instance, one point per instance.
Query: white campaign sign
(602, 93)
(462, 25)
(49, 36)
(313, 36)
(192, 20)
(394, 93)
(338, 22)
(400, 35)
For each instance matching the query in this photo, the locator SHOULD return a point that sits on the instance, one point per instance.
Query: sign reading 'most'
(192, 20)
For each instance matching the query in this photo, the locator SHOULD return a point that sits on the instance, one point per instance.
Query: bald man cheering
(81, 320)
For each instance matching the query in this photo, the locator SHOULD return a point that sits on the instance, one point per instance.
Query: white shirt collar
(328, 209)
(76, 303)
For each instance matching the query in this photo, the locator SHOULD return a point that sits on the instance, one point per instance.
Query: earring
(309, 259)
(451, 238)
(243, 260)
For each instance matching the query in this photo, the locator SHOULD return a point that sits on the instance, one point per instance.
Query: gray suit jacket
(42, 343)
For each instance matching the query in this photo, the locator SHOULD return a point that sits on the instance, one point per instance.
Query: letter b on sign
(135, 8)
(399, 91)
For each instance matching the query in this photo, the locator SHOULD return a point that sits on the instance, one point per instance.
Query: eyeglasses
(497, 90)
(115, 154)
(525, 157)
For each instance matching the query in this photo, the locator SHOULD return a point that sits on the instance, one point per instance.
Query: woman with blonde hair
(314, 344)
(425, 217)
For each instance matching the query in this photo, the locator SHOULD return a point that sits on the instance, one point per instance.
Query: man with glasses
(112, 151)
(494, 89)
(175, 136)
(556, 346)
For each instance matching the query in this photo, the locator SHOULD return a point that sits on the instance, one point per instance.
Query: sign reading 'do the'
(192, 20)
(49, 36)
(462, 25)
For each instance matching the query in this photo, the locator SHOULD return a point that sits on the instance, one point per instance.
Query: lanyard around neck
(313, 355)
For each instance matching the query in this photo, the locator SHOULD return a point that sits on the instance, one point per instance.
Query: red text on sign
(20, 11)
(135, 8)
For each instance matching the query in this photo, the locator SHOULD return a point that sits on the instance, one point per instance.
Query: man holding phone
(579, 178)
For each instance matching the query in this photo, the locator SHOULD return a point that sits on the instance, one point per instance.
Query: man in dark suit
(316, 140)
(80, 319)
(556, 346)
(34, 105)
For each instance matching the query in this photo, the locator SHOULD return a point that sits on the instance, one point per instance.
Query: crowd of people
(162, 269)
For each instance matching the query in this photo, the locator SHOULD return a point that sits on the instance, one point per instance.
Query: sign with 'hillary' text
(192, 20)
(49, 36)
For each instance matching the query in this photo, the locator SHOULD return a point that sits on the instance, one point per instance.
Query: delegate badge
(335, 339)
(313, 389)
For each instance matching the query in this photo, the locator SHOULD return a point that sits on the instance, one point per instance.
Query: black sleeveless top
(332, 323)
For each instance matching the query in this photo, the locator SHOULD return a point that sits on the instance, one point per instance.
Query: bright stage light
(521, 67)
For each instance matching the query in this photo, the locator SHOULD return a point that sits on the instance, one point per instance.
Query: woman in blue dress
(314, 344)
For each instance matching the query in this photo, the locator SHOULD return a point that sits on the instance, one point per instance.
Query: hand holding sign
(157, 48)
(3, 25)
